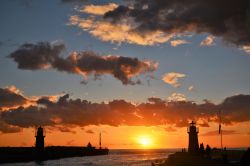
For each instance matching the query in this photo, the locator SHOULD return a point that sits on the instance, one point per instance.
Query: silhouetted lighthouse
(40, 140)
(193, 131)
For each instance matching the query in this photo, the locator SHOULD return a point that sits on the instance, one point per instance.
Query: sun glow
(145, 141)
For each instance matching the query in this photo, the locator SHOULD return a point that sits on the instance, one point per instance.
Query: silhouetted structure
(40, 134)
(245, 160)
(89, 146)
(39, 152)
(193, 146)
(198, 156)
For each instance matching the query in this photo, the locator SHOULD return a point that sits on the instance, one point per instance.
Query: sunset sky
(137, 71)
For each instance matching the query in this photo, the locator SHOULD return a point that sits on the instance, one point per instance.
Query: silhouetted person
(208, 150)
(245, 160)
(224, 155)
(202, 150)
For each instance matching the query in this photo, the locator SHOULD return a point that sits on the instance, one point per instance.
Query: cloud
(234, 108)
(66, 113)
(11, 97)
(98, 9)
(5, 128)
(170, 129)
(216, 133)
(177, 97)
(226, 19)
(172, 78)
(45, 55)
(246, 48)
(191, 88)
(90, 131)
(209, 41)
(37, 56)
(73, 1)
(123, 32)
(176, 43)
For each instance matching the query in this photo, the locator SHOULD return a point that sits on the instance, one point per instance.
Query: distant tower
(40, 139)
(193, 131)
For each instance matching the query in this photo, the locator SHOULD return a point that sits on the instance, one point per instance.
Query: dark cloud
(65, 129)
(73, 1)
(236, 108)
(36, 56)
(9, 98)
(44, 55)
(31, 116)
(5, 128)
(229, 19)
(76, 112)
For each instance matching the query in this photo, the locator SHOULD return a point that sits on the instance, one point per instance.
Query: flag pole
(220, 130)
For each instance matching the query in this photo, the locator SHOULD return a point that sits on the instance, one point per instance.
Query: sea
(128, 157)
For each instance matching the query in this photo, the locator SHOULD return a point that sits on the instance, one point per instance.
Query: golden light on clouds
(208, 41)
(176, 43)
(172, 78)
(118, 33)
(246, 48)
(98, 9)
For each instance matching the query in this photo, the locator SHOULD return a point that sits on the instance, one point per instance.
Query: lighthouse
(40, 139)
(193, 131)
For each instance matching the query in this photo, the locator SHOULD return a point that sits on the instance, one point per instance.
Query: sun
(145, 141)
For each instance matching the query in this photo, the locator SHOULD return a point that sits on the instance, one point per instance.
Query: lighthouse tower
(40, 139)
(193, 131)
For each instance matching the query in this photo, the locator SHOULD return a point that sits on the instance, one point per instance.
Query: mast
(220, 130)
(100, 140)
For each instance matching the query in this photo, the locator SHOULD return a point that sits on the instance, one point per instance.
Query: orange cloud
(215, 133)
(246, 48)
(118, 33)
(98, 9)
(209, 41)
(177, 97)
(191, 88)
(176, 43)
(11, 97)
(172, 78)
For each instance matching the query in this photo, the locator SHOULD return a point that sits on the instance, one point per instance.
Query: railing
(196, 129)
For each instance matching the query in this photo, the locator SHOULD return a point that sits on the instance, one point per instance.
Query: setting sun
(145, 141)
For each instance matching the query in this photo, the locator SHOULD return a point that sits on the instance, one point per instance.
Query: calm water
(115, 158)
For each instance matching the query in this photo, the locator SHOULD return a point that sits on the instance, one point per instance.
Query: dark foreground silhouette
(216, 158)
(40, 152)
(199, 156)
(24, 154)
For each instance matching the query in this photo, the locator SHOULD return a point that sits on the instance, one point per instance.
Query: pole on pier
(220, 130)
(100, 140)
